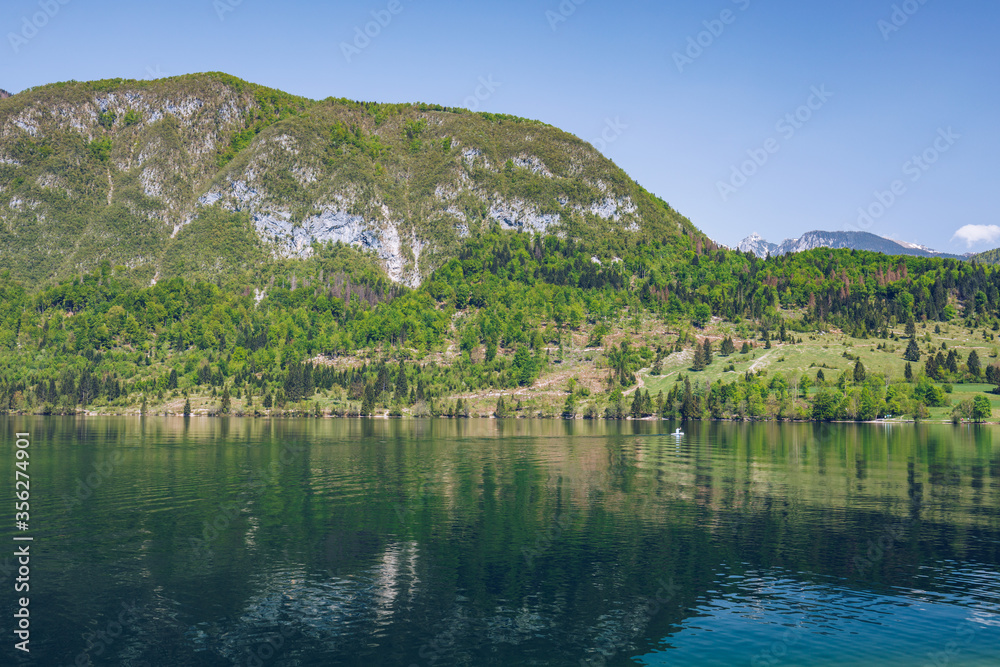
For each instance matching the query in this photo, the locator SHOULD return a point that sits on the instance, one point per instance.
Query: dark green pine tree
(951, 363)
(908, 372)
(708, 352)
(172, 380)
(293, 382)
(636, 410)
(226, 405)
(691, 406)
(371, 394)
(728, 347)
(992, 374)
(859, 372)
(402, 386)
(187, 407)
(973, 364)
(382, 382)
(746, 348)
(930, 368)
(699, 358)
(912, 351)
(308, 385)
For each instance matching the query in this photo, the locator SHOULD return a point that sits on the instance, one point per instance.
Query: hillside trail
(753, 367)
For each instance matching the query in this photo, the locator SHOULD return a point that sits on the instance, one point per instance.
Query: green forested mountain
(987, 257)
(200, 244)
(203, 175)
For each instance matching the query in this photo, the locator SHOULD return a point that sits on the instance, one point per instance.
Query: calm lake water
(481, 542)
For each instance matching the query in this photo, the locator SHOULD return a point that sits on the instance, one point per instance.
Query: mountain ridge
(848, 240)
(118, 170)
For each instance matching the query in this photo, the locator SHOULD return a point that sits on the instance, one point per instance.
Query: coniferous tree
(699, 358)
(308, 385)
(636, 410)
(187, 407)
(691, 406)
(931, 368)
(172, 380)
(859, 372)
(293, 382)
(912, 351)
(908, 372)
(708, 352)
(951, 363)
(746, 348)
(973, 364)
(226, 405)
(402, 388)
(382, 382)
(728, 347)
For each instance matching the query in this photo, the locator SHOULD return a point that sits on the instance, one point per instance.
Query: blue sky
(776, 117)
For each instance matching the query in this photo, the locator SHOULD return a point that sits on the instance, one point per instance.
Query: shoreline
(387, 417)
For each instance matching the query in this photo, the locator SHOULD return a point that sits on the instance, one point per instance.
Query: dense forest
(497, 317)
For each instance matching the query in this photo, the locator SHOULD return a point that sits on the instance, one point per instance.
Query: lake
(163, 541)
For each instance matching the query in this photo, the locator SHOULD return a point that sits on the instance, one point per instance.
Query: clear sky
(695, 96)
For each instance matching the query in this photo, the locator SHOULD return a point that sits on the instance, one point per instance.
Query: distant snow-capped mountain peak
(850, 240)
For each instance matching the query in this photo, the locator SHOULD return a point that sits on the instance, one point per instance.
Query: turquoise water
(484, 542)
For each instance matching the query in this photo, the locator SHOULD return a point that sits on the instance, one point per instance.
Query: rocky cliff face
(117, 170)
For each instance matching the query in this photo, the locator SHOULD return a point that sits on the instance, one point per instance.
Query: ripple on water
(768, 617)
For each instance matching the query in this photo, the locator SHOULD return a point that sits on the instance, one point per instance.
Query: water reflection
(453, 542)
